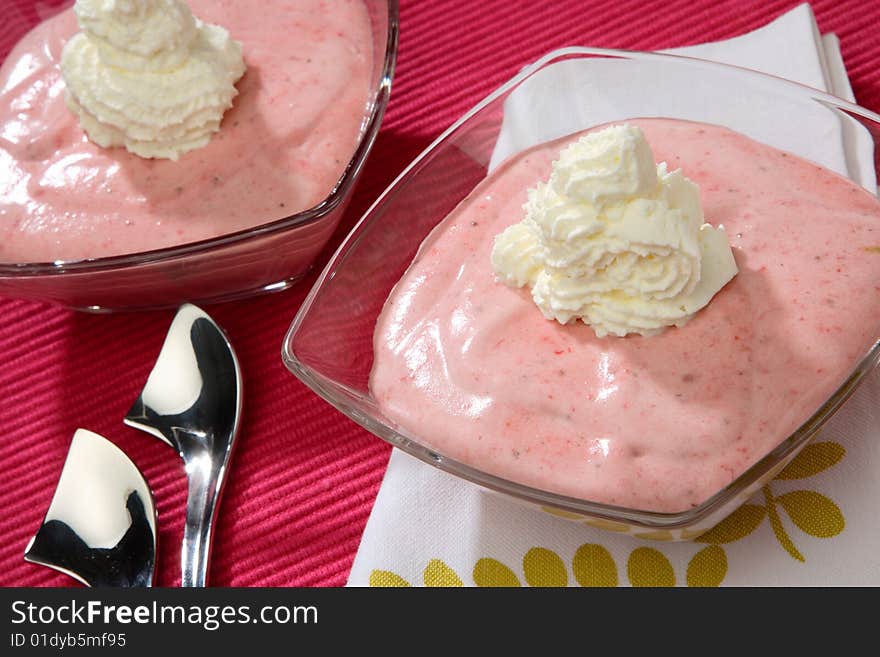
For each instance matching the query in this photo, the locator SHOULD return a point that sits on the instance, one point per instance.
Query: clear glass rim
(336, 196)
(329, 390)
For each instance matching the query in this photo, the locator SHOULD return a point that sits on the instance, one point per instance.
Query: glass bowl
(267, 257)
(329, 345)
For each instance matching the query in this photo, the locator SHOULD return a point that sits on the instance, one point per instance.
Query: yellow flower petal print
(648, 567)
(688, 534)
(609, 525)
(708, 567)
(491, 572)
(562, 514)
(813, 513)
(659, 535)
(737, 525)
(544, 567)
(386, 578)
(777, 526)
(438, 574)
(813, 459)
(593, 565)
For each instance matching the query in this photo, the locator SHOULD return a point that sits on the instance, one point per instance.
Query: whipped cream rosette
(149, 76)
(615, 240)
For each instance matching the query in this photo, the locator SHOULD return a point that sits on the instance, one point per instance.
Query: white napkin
(820, 528)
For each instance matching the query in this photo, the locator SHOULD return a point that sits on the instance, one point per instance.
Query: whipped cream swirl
(149, 76)
(615, 240)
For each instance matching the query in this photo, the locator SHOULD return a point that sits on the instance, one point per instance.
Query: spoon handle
(205, 484)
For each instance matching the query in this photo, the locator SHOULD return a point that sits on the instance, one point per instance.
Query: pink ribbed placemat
(304, 477)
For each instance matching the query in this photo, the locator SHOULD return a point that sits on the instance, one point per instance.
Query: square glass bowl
(329, 345)
(270, 256)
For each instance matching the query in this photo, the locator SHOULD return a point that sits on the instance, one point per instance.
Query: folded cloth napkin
(816, 524)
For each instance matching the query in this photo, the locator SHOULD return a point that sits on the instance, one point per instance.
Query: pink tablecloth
(304, 477)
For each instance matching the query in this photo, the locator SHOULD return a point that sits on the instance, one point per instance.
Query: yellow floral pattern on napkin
(592, 565)
(813, 513)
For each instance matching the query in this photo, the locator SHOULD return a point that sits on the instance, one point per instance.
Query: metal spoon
(101, 525)
(192, 401)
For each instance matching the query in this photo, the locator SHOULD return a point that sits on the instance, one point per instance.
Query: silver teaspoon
(192, 401)
(101, 525)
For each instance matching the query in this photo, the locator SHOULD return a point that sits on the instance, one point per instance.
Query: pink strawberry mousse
(292, 130)
(470, 366)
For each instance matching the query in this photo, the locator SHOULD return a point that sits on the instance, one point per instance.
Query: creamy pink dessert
(472, 368)
(281, 148)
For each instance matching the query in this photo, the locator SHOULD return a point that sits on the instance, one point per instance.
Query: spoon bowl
(101, 524)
